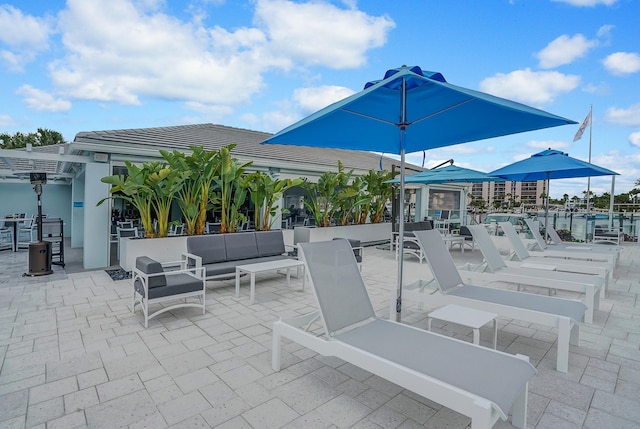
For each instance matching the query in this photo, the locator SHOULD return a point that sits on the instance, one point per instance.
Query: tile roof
(213, 136)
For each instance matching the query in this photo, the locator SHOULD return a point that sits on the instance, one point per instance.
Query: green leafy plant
(380, 193)
(325, 196)
(149, 188)
(265, 192)
(228, 196)
(200, 168)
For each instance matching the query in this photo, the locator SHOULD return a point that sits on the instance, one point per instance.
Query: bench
(219, 254)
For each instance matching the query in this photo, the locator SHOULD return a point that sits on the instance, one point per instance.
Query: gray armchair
(152, 284)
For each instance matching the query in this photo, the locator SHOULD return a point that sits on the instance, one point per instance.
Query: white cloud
(588, 3)
(622, 63)
(319, 33)
(629, 117)
(634, 138)
(313, 99)
(278, 119)
(123, 51)
(528, 86)
(37, 99)
(25, 36)
(549, 144)
(564, 50)
(6, 121)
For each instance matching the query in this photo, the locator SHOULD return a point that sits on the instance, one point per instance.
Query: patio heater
(40, 251)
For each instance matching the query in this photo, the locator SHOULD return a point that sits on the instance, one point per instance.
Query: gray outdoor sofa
(219, 254)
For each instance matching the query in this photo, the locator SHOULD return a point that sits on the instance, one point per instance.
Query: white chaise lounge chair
(563, 314)
(534, 274)
(475, 381)
(595, 252)
(600, 269)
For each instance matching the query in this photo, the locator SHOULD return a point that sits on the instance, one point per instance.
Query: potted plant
(200, 168)
(228, 196)
(149, 188)
(265, 192)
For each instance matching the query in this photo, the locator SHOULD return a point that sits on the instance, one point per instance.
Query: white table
(450, 240)
(261, 267)
(465, 316)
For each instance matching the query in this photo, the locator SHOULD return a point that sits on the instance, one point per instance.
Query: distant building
(510, 194)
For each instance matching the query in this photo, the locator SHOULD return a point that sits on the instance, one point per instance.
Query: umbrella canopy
(449, 174)
(550, 164)
(412, 110)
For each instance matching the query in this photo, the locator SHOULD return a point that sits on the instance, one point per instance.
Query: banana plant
(379, 192)
(134, 189)
(265, 192)
(354, 203)
(193, 198)
(150, 188)
(228, 197)
(165, 184)
(325, 197)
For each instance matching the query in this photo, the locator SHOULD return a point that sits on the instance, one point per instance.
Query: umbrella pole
(546, 211)
(401, 238)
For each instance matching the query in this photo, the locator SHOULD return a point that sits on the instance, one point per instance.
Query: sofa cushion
(211, 248)
(150, 266)
(241, 245)
(270, 243)
(177, 284)
(220, 268)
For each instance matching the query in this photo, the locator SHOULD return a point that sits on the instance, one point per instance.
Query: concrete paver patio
(73, 354)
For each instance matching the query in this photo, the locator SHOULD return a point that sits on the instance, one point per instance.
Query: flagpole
(589, 178)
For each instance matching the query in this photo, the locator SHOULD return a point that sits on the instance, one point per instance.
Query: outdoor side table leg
(237, 283)
(253, 289)
(476, 336)
(495, 334)
(289, 278)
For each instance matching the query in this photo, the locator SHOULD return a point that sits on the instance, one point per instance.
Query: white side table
(465, 316)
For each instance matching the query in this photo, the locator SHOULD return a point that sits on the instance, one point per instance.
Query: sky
(89, 65)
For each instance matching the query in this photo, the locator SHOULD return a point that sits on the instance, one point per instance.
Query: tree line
(42, 137)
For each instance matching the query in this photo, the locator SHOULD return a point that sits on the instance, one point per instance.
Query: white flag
(585, 124)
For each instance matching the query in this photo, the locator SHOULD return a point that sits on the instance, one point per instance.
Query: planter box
(161, 249)
(367, 233)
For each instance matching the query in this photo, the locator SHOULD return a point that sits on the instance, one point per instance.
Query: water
(579, 225)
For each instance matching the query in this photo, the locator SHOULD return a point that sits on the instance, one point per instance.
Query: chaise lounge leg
(276, 347)
(564, 337)
(590, 299)
(482, 416)
(519, 409)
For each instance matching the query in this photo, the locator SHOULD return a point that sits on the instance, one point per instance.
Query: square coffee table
(261, 267)
(465, 316)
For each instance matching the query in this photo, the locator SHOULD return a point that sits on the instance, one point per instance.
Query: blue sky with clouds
(86, 65)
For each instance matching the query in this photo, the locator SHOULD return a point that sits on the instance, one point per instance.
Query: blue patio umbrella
(550, 164)
(408, 111)
(449, 174)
